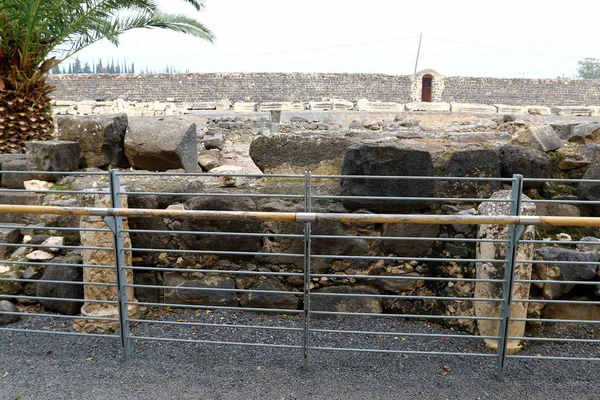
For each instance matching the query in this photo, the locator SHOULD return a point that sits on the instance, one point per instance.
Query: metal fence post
(116, 226)
(307, 263)
(514, 234)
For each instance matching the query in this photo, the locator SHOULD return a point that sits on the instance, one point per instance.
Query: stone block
(101, 138)
(386, 160)
(11, 236)
(531, 163)
(197, 291)
(364, 304)
(160, 144)
(594, 111)
(575, 266)
(586, 133)
(342, 105)
(473, 108)
(539, 110)
(242, 106)
(424, 106)
(63, 289)
(320, 105)
(85, 109)
(52, 156)
(275, 106)
(282, 301)
(383, 106)
(229, 181)
(475, 162)
(508, 109)
(542, 137)
(298, 107)
(7, 306)
(14, 181)
(574, 111)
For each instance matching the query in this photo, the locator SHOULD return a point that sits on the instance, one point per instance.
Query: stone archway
(427, 86)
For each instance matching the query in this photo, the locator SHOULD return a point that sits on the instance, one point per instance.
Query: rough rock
(52, 156)
(62, 290)
(11, 272)
(195, 291)
(295, 154)
(213, 139)
(481, 163)
(36, 185)
(585, 133)
(148, 278)
(9, 235)
(40, 255)
(348, 303)
(572, 270)
(495, 270)
(288, 301)
(409, 248)
(388, 160)
(7, 306)
(221, 243)
(14, 181)
(591, 190)
(209, 159)
(160, 144)
(531, 163)
(542, 137)
(101, 138)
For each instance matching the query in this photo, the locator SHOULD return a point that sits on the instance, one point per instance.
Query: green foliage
(588, 68)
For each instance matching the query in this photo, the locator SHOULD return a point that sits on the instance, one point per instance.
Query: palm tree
(36, 35)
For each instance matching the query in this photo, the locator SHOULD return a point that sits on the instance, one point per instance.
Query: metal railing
(300, 259)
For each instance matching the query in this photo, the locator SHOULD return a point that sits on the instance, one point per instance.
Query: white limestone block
(276, 106)
(425, 106)
(243, 106)
(508, 109)
(472, 108)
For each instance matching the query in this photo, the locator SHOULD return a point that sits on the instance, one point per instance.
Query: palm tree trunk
(24, 117)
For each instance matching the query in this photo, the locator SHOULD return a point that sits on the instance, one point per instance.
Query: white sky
(502, 38)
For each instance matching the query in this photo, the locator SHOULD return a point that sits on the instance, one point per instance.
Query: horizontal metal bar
(37, 264)
(281, 346)
(209, 289)
(361, 314)
(411, 238)
(249, 195)
(437, 335)
(63, 282)
(127, 174)
(432, 353)
(153, 321)
(563, 321)
(51, 191)
(391, 258)
(6, 296)
(595, 303)
(593, 283)
(416, 199)
(215, 271)
(393, 296)
(60, 332)
(82, 173)
(201, 307)
(556, 262)
(59, 316)
(52, 228)
(553, 358)
(540, 339)
(50, 246)
(283, 235)
(213, 252)
(412, 177)
(405, 278)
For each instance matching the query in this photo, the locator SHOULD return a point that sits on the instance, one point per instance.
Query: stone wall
(304, 87)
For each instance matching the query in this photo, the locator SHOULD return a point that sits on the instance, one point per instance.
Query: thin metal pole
(307, 263)
(117, 228)
(418, 52)
(514, 234)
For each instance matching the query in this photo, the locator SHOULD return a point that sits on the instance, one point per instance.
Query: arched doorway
(426, 88)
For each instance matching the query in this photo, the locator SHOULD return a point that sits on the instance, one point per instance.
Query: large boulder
(8, 234)
(51, 156)
(294, 154)
(541, 137)
(283, 301)
(196, 291)
(218, 242)
(63, 290)
(14, 181)
(408, 247)
(101, 138)
(388, 160)
(590, 190)
(7, 306)
(160, 144)
(585, 133)
(573, 268)
(529, 162)
(480, 163)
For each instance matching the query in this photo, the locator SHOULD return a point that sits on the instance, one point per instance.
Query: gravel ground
(46, 366)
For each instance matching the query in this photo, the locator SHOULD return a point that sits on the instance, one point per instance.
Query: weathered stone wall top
(305, 87)
(233, 86)
(520, 92)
